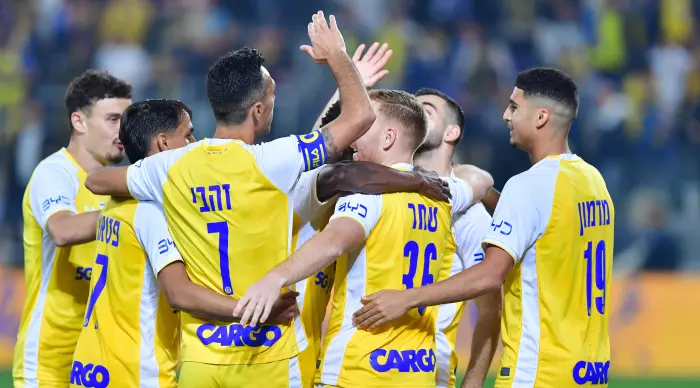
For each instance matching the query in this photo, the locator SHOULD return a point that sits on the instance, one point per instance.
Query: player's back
(404, 249)
(555, 318)
(57, 278)
(130, 335)
(229, 211)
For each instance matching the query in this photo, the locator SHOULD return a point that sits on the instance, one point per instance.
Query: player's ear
(541, 118)
(389, 138)
(452, 133)
(79, 122)
(162, 142)
(257, 111)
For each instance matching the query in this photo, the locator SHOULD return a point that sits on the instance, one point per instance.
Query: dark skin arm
(205, 304)
(490, 200)
(372, 178)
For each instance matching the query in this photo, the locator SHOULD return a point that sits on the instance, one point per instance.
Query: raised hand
(371, 66)
(326, 39)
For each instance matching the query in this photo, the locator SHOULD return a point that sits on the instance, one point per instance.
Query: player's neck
(240, 132)
(83, 157)
(392, 159)
(438, 160)
(549, 149)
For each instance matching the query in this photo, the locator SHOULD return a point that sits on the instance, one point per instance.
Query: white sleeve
(362, 208)
(305, 197)
(461, 194)
(284, 159)
(470, 229)
(516, 221)
(53, 189)
(146, 177)
(153, 235)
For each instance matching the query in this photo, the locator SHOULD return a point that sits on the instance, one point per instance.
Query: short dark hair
(550, 84)
(331, 114)
(406, 110)
(143, 120)
(91, 86)
(452, 105)
(234, 83)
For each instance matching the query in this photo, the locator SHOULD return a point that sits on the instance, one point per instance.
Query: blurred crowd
(637, 63)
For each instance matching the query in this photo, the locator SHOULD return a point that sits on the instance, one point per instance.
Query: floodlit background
(637, 63)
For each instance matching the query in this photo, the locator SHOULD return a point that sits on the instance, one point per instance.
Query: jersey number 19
(598, 277)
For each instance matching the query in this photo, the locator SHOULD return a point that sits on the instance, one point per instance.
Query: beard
(432, 142)
(115, 158)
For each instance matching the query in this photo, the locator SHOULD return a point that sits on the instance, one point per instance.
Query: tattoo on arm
(334, 153)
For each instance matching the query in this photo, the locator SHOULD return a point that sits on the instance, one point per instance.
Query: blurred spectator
(637, 63)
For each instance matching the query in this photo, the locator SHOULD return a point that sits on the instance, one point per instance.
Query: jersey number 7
(102, 260)
(411, 251)
(221, 228)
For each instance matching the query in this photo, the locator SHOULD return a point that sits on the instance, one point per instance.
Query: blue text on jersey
(313, 149)
(83, 273)
(51, 201)
(424, 217)
(409, 360)
(89, 375)
(108, 230)
(587, 212)
(212, 198)
(591, 372)
(239, 335)
(353, 207)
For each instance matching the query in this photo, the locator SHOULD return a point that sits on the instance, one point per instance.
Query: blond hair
(405, 109)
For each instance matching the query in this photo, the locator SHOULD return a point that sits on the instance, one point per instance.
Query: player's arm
(52, 199)
(142, 180)
(370, 67)
(479, 180)
(183, 295)
(108, 181)
(357, 114)
(372, 178)
(490, 200)
(165, 260)
(514, 230)
(484, 338)
(354, 217)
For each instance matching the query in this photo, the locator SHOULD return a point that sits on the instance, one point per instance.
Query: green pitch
(6, 382)
(637, 383)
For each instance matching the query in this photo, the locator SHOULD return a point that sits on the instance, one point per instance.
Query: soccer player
(314, 201)
(131, 336)
(393, 241)
(60, 217)
(229, 210)
(551, 242)
(445, 131)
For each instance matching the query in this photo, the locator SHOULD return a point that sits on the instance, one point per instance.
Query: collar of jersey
(402, 166)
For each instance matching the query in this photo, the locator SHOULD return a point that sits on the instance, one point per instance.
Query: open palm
(371, 65)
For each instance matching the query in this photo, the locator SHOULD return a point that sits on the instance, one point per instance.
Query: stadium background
(637, 63)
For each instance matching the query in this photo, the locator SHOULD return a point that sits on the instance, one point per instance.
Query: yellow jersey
(311, 216)
(469, 228)
(57, 278)
(229, 210)
(556, 220)
(130, 336)
(406, 240)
